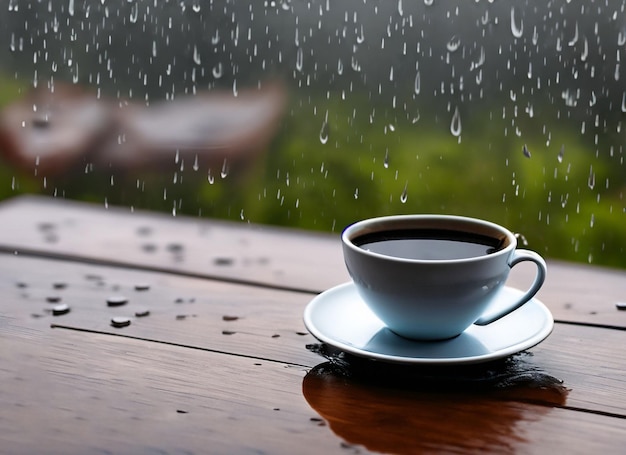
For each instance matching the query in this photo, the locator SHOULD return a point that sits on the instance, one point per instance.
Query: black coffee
(430, 244)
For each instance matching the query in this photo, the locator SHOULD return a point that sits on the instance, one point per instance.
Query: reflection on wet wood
(266, 324)
(388, 416)
(79, 393)
(223, 363)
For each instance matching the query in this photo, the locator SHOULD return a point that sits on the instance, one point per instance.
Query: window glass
(317, 113)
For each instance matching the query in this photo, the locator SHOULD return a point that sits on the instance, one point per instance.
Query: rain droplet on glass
(521, 239)
(418, 83)
(224, 171)
(455, 124)
(591, 181)
(585, 52)
(134, 13)
(517, 26)
(324, 131)
(404, 196)
(299, 59)
(574, 39)
(218, 70)
(621, 36)
(453, 44)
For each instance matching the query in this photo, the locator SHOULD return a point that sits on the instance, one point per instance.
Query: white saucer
(339, 318)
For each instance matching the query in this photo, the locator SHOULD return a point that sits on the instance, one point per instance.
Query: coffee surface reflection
(429, 244)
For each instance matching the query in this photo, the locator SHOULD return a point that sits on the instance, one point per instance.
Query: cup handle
(517, 257)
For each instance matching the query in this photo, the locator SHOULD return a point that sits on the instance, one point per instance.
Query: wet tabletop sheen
(200, 342)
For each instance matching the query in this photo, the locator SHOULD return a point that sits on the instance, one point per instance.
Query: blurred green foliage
(564, 195)
(372, 165)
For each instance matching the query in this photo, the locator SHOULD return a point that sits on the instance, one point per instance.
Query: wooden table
(221, 364)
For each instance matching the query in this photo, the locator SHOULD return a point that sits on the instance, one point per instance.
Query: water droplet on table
(120, 321)
(142, 313)
(223, 261)
(117, 300)
(60, 309)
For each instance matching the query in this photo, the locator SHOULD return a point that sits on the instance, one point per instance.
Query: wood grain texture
(255, 254)
(262, 324)
(88, 393)
(221, 365)
(199, 247)
(80, 393)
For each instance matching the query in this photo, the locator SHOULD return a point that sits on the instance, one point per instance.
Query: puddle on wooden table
(410, 409)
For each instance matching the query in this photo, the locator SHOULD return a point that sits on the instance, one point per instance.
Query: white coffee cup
(429, 277)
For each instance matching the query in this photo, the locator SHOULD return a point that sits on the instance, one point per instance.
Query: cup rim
(361, 226)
